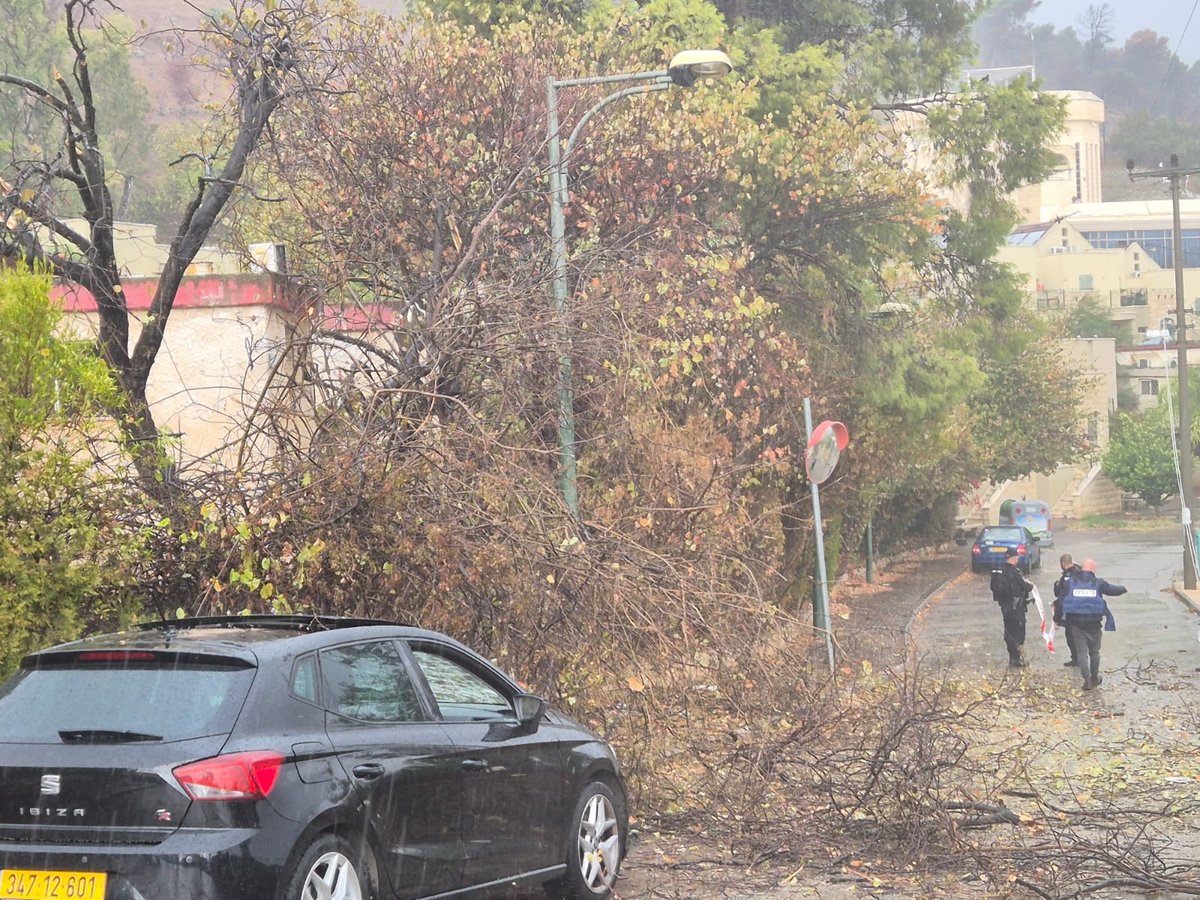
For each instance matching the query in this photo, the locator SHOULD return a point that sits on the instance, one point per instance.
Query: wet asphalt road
(1151, 668)
(960, 625)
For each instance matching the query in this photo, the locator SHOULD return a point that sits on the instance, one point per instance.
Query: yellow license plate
(38, 884)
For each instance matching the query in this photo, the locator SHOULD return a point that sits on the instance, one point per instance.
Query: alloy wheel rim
(599, 844)
(332, 877)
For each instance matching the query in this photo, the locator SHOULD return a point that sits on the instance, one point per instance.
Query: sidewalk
(1191, 599)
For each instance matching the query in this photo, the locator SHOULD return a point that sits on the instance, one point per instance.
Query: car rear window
(166, 702)
(1003, 534)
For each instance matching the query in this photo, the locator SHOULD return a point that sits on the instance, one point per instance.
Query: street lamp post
(685, 69)
(1187, 501)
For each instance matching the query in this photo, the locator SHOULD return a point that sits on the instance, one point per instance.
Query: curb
(1192, 603)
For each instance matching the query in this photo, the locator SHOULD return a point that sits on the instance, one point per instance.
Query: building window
(1143, 363)
(1149, 388)
(1134, 298)
(1078, 176)
(1143, 330)
(1086, 283)
(1157, 242)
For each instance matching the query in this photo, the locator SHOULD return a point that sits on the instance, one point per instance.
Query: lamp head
(688, 66)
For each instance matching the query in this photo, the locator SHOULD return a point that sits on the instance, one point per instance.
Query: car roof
(250, 637)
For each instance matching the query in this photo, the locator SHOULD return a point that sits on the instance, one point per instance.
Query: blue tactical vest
(1083, 597)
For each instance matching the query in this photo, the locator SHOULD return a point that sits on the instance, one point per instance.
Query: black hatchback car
(288, 758)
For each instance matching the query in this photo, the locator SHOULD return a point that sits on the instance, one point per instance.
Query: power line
(1175, 55)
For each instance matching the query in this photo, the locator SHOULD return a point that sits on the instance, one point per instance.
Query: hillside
(163, 60)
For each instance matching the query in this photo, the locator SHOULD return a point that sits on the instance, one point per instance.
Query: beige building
(1079, 148)
(220, 348)
(1077, 246)
(141, 255)
(1120, 257)
(1077, 489)
(1077, 179)
(222, 343)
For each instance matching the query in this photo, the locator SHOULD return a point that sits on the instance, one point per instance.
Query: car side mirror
(529, 708)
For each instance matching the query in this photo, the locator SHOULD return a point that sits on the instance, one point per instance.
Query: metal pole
(1187, 501)
(568, 470)
(821, 617)
(559, 159)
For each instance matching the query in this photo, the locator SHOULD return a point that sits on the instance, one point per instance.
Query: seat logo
(51, 784)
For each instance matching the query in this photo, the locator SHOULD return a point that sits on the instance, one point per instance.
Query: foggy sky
(1165, 17)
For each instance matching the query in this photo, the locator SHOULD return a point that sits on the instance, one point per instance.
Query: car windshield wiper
(104, 736)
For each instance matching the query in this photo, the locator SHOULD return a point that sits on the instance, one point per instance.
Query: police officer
(1069, 568)
(1085, 612)
(1011, 590)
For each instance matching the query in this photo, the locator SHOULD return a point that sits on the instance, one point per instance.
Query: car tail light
(1021, 549)
(975, 548)
(238, 776)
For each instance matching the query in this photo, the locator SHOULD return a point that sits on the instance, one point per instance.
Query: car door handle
(368, 771)
(475, 765)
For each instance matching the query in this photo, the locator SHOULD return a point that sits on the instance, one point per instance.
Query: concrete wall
(142, 256)
(1097, 357)
(221, 344)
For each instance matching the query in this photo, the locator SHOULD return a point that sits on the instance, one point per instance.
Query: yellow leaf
(636, 684)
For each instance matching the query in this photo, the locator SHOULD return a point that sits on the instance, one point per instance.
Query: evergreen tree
(56, 543)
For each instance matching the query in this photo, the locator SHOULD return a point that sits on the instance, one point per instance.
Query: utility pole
(1177, 175)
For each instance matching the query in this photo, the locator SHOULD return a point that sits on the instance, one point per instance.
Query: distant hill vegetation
(1151, 98)
(154, 94)
(166, 66)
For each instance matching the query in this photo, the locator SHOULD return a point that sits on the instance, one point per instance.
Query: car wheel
(593, 847)
(330, 869)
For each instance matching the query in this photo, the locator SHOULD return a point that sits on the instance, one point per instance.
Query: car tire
(594, 848)
(331, 867)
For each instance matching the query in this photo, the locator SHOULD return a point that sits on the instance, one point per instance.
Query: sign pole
(821, 618)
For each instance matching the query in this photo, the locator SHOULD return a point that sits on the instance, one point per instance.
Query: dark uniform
(1060, 588)
(1011, 590)
(1085, 611)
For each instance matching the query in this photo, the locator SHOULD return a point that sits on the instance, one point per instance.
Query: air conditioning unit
(1137, 274)
(1057, 250)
